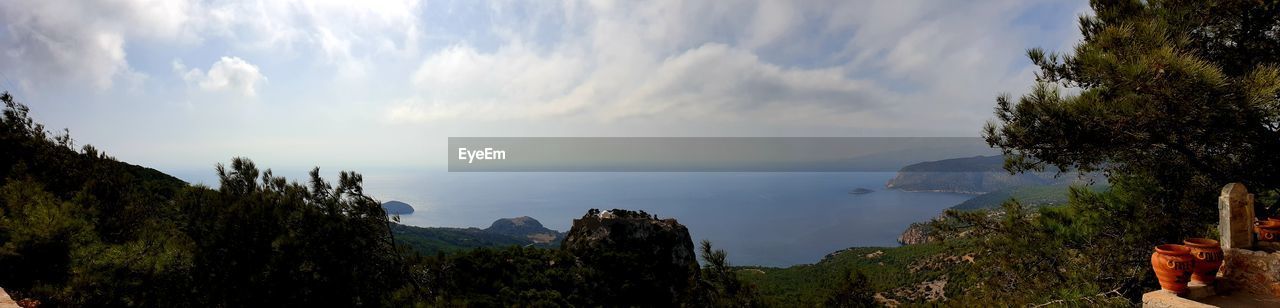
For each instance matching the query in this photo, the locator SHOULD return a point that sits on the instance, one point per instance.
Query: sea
(760, 218)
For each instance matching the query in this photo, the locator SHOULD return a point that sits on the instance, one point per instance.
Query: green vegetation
(1172, 99)
(519, 231)
(78, 228)
(430, 241)
(885, 270)
(1181, 92)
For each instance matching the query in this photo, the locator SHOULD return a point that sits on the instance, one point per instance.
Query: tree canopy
(1184, 92)
(1172, 99)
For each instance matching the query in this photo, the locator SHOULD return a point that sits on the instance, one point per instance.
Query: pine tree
(1184, 92)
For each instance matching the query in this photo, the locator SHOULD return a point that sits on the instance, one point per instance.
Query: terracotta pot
(1268, 230)
(1173, 266)
(1207, 256)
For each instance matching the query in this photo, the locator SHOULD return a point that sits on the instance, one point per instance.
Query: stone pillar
(1235, 217)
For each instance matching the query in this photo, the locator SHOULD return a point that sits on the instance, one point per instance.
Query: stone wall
(1252, 271)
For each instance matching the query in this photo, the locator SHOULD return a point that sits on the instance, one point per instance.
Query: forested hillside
(78, 228)
(432, 240)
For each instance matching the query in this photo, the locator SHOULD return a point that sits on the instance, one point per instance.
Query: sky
(180, 85)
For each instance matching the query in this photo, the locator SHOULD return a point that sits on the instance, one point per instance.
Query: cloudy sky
(180, 85)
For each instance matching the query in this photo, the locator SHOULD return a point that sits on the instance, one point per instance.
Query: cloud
(820, 63)
(228, 74)
(343, 34)
(52, 42)
(840, 63)
(58, 43)
(710, 81)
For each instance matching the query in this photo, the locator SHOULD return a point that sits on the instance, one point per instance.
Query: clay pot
(1173, 266)
(1207, 255)
(1268, 230)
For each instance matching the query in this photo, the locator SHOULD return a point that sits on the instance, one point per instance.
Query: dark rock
(647, 261)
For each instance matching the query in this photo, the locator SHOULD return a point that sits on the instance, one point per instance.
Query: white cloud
(345, 34)
(228, 74)
(711, 81)
(60, 42)
(54, 42)
(813, 62)
(840, 63)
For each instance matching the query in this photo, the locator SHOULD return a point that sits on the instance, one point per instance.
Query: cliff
(916, 233)
(615, 243)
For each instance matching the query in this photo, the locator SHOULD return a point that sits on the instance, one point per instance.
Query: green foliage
(893, 268)
(79, 228)
(1093, 250)
(293, 244)
(527, 276)
(720, 284)
(1184, 92)
(429, 241)
(854, 291)
(1173, 99)
(502, 277)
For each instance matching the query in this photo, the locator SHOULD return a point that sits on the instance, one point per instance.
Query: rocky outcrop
(916, 233)
(397, 208)
(644, 258)
(524, 227)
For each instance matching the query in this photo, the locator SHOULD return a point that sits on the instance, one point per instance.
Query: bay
(768, 219)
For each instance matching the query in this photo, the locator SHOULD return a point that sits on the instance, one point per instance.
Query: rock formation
(618, 243)
(916, 233)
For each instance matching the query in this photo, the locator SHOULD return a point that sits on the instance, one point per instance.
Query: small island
(397, 208)
(860, 191)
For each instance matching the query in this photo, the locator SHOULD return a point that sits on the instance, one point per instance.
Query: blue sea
(769, 219)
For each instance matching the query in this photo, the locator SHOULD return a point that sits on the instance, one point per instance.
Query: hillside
(909, 274)
(973, 175)
(525, 227)
(432, 240)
